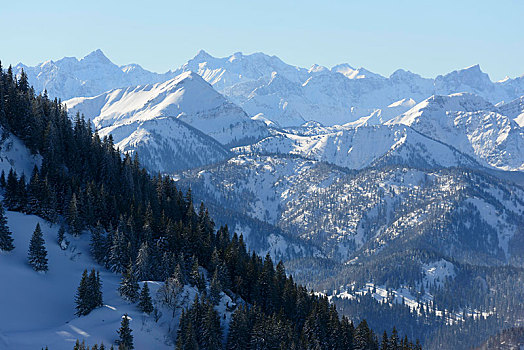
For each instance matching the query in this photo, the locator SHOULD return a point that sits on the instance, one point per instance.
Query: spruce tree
(6, 241)
(215, 288)
(98, 244)
(11, 191)
(144, 266)
(129, 287)
(73, 219)
(126, 338)
(145, 304)
(81, 298)
(238, 337)
(89, 293)
(211, 331)
(394, 340)
(95, 290)
(37, 255)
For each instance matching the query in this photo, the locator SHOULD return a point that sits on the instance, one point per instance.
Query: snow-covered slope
(357, 148)
(187, 97)
(166, 144)
(471, 125)
(14, 154)
(89, 76)
(37, 309)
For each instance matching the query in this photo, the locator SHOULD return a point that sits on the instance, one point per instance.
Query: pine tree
(129, 287)
(144, 266)
(73, 219)
(98, 244)
(22, 193)
(211, 332)
(95, 286)
(394, 340)
(11, 200)
(118, 253)
(126, 338)
(35, 194)
(215, 289)
(145, 303)
(89, 293)
(81, 298)
(6, 241)
(238, 337)
(37, 255)
(385, 342)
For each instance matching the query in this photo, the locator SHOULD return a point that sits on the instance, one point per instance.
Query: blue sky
(426, 37)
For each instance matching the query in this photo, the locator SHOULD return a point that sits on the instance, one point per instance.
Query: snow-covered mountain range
(89, 76)
(283, 93)
(329, 164)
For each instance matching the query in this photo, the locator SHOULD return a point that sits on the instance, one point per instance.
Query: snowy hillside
(14, 154)
(38, 308)
(187, 97)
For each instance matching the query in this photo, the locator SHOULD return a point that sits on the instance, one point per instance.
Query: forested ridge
(142, 225)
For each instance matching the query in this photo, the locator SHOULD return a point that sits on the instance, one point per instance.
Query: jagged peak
(202, 54)
(96, 56)
(473, 71)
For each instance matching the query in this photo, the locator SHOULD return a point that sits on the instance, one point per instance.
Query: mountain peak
(472, 68)
(96, 56)
(202, 54)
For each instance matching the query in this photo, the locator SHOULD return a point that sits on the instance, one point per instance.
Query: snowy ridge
(471, 125)
(290, 95)
(187, 97)
(357, 148)
(283, 93)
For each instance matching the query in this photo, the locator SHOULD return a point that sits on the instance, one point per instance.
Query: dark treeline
(143, 223)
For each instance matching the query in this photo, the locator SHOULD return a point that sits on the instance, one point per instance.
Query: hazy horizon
(427, 39)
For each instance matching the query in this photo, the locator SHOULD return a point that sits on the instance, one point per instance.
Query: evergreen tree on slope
(6, 241)
(145, 303)
(126, 338)
(37, 255)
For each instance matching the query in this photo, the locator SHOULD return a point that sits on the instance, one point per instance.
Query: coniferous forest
(145, 228)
